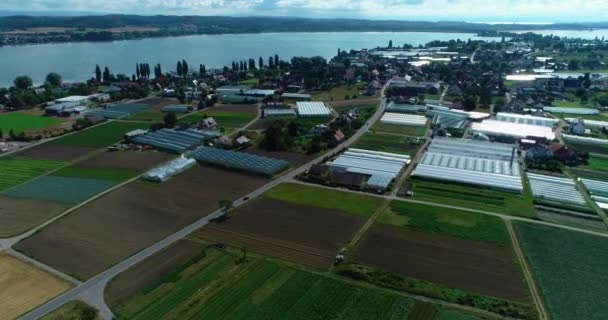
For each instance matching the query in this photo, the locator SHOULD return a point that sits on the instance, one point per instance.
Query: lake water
(583, 34)
(76, 61)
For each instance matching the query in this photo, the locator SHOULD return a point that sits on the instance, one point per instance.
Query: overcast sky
(432, 10)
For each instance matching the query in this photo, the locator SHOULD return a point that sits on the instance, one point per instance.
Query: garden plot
(60, 189)
(17, 170)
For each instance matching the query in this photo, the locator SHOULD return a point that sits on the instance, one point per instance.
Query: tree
(180, 69)
(226, 206)
(158, 71)
(390, 44)
(170, 120)
(261, 63)
(54, 79)
(97, 73)
(137, 71)
(276, 61)
(470, 102)
(185, 67)
(270, 63)
(107, 76)
(23, 82)
(573, 65)
(202, 70)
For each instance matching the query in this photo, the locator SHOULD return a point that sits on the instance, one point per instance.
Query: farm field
(399, 129)
(73, 310)
(461, 264)
(283, 230)
(48, 151)
(19, 215)
(126, 160)
(214, 286)
(455, 315)
(229, 117)
(449, 222)
(23, 122)
(360, 108)
(60, 189)
(25, 287)
(296, 159)
(147, 115)
(100, 136)
(138, 214)
(568, 270)
(117, 175)
(18, 170)
(474, 197)
(340, 92)
(354, 204)
(597, 163)
(265, 123)
(387, 143)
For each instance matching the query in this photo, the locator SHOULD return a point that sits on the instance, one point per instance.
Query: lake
(76, 61)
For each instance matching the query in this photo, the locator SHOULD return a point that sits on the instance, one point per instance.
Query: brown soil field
(24, 287)
(108, 230)
(158, 103)
(138, 277)
(19, 215)
(130, 160)
(296, 159)
(54, 152)
(263, 123)
(466, 265)
(283, 230)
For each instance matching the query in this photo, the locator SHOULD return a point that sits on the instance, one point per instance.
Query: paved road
(473, 55)
(92, 289)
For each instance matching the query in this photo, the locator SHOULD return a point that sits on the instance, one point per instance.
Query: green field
(474, 197)
(354, 204)
(399, 129)
(23, 122)
(597, 163)
(340, 109)
(230, 121)
(450, 222)
(387, 143)
(213, 286)
(96, 173)
(338, 93)
(455, 315)
(250, 82)
(100, 136)
(570, 268)
(73, 310)
(15, 170)
(569, 104)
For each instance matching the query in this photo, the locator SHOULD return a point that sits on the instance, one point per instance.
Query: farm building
(312, 109)
(448, 118)
(526, 119)
(268, 113)
(555, 189)
(590, 123)
(474, 162)
(165, 172)
(403, 119)
(240, 161)
(585, 140)
(296, 96)
(598, 191)
(580, 111)
(382, 167)
(513, 130)
(175, 140)
(177, 108)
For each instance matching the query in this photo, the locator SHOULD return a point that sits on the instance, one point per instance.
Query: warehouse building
(473, 162)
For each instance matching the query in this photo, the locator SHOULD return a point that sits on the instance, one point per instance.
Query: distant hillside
(219, 24)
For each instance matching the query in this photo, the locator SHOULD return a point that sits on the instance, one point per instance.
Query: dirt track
(466, 265)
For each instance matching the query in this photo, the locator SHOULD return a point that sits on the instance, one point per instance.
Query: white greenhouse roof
(312, 109)
(585, 140)
(556, 189)
(582, 111)
(511, 183)
(510, 129)
(526, 119)
(72, 99)
(403, 119)
(591, 123)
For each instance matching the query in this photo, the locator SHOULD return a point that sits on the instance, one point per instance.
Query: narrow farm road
(91, 288)
(536, 297)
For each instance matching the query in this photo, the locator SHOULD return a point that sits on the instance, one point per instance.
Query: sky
(520, 11)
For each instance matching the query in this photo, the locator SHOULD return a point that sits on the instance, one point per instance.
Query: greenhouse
(175, 140)
(240, 161)
(556, 189)
(165, 172)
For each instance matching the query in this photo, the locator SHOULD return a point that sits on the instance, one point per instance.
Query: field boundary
(536, 296)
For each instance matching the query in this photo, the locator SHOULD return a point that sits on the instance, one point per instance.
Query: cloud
(461, 10)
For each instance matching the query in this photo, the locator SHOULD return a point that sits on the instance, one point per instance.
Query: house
(454, 91)
(338, 137)
(539, 153)
(224, 142)
(563, 153)
(242, 140)
(209, 124)
(577, 127)
(317, 130)
(414, 88)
